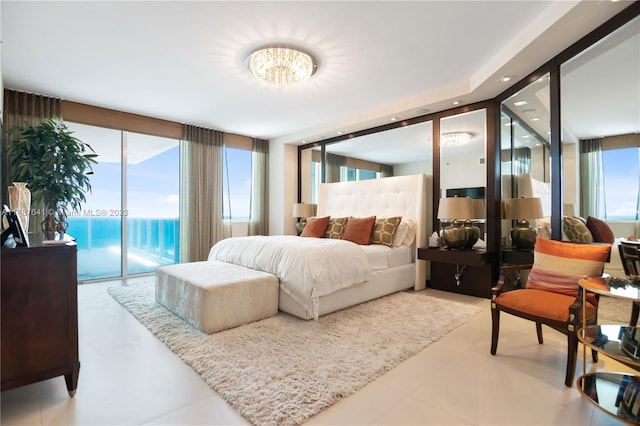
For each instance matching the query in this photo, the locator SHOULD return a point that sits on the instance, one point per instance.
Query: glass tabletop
(617, 394)
(623, 288)
(619, 342)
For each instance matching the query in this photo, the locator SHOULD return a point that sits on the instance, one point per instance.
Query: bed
(308, 288)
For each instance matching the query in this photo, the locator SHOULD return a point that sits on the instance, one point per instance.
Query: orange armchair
(552, 296)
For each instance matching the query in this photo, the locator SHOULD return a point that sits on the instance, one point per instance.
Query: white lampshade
(455, 208)
(479, 211)
(569, 209)
(304, 210)
(523, 208)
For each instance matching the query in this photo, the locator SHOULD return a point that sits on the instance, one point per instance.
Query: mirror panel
(525, 156)
(600, 113)
(400, 151)
(463, 151)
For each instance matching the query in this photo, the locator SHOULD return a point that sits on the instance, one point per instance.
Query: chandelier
(281, 66)
(455, 138)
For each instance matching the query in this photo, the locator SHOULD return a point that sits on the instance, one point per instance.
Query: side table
(468, 271)
(617, 394)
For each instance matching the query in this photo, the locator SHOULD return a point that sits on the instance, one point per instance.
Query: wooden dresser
(39, 317)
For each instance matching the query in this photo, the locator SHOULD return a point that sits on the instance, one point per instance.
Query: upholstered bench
(213, 296)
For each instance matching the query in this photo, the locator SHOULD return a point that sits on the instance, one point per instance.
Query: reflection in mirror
(396, 152)
(462, 162)
(600, 112)
(525, 154)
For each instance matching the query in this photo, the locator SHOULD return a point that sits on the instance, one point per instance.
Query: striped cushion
(559, 265)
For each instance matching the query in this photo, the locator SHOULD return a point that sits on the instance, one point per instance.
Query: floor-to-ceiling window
(151, 202)
(132, 209)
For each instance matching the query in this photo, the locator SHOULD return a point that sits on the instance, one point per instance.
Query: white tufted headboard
(406, 196)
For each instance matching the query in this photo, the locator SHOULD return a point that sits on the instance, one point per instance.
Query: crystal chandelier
(281, 66)
(455, 138)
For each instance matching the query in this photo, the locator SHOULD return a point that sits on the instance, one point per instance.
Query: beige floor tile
(129, 377)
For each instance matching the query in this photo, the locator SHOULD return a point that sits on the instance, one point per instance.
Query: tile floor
(129, 377)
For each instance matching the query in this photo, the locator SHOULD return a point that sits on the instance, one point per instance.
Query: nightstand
(468, 272)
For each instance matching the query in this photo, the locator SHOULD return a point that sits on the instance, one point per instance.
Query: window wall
(132, 207)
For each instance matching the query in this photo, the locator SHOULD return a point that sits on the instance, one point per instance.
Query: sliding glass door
(152, 211)
(131, 209)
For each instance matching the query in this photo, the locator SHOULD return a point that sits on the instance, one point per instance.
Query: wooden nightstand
(461, 271)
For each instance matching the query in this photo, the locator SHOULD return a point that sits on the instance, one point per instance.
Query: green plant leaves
(53, 162)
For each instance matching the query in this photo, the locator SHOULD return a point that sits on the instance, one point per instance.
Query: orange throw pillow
(315, 227)
(358, 230)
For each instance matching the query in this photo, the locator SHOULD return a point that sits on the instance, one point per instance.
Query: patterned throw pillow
(384, 230)
(576, 230)
(315, 227)
(559, 265)
(335, 228)
(600, 231)
(358, 230)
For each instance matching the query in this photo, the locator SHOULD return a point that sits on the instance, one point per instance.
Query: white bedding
(383, 257)
(308, 268)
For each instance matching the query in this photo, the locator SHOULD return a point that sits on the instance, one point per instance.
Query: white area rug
(283, 370)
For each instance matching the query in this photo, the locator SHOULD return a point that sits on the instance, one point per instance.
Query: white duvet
(307, 267)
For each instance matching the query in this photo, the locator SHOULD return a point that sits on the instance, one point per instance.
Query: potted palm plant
(55, 164)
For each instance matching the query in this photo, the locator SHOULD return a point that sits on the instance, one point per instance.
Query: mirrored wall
(525, 155)
(404, 150)
(600, 110)
(463, 154)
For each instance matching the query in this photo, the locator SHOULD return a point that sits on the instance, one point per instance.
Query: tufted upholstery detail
(406, 196)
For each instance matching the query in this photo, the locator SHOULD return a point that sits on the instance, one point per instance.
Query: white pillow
(411, 232)
(401, 233)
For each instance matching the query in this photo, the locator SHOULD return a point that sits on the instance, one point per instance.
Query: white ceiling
(185, 61)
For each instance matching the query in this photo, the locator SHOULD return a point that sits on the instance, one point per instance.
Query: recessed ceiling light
(535, 119)
(525, 136)
(529, 111)
(339, 132)
(393, 118)
(520, 103)
(457, 102)
(505, 78)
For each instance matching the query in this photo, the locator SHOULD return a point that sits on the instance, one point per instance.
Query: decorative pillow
(315, 227)
(544, 227)
(401, 233)
(358, 230)
(576, 231)
(384, 230)
(600, 230)
(335, 228)
(411, 232)
(559, 265)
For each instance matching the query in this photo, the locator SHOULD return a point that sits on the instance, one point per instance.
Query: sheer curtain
(521, 161)
(637, 219)
(259, 217)
(21, 108)
(200, 192)
(333, 164)
(592, 201)
(386, 170)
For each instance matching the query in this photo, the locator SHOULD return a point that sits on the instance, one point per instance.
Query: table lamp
(473, 232)
(523, 235)
(455, 235)
(302, 211)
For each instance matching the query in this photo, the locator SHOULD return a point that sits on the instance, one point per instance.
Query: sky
(622, 181)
